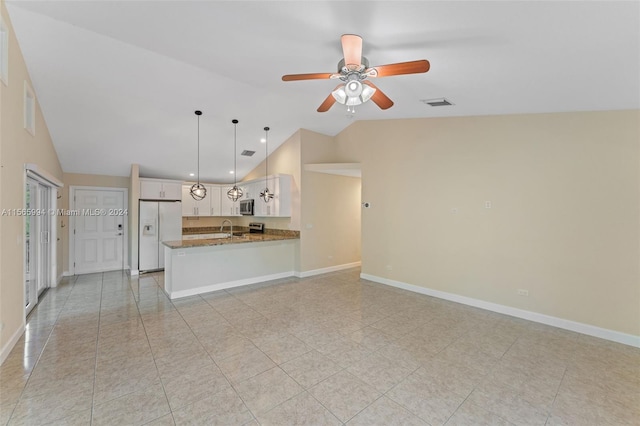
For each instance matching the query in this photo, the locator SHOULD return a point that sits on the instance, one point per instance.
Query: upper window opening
(29, 109)
(4, 52)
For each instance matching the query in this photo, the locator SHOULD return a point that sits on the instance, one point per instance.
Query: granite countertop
(245, 238)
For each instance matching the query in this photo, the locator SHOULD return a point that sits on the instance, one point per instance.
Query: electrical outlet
(454, 210)
(522, 292)
(487, 204)
(389, 268)
(330, 257)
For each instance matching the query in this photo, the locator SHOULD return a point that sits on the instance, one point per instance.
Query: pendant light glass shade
(353, 93)
(234, 193)
(266, 195)
(198, 191)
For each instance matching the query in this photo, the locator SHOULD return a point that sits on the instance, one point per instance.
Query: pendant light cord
(198, 148)
(235, 166)
(266, 156)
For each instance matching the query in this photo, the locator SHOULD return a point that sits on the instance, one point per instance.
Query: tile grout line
(41, 351)
(304, 390)
(276, 365)
(564, 374)
(144, 327)
(476, 386)
(95, 363)
(533, 363)
(211, 357)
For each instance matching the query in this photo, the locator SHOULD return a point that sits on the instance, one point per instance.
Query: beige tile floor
(106, 349)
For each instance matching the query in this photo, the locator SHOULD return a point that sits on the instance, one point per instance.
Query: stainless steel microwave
(246, 207)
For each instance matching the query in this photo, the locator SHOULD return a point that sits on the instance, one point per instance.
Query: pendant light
(198, 190)
(266, 195)
(234, 193)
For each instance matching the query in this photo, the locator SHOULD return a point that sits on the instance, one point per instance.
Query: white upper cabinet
(208, 206)
(228, 207)
(280, 204)
(217, 203)
(260, 207)
(191, 206)
(213, 192)
(158, 189)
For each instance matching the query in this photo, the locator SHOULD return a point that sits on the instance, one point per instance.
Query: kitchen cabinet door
(228, 207)
(172, 190)
(283, 196)
(150, 189)
(188, 203)
(193, 207)
(213, 192)
(261, 208)
(157, 189)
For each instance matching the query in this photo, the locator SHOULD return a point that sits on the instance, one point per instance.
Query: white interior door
(99, 230)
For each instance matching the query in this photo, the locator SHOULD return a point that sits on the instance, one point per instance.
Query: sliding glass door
(30, 236)
(37, 239)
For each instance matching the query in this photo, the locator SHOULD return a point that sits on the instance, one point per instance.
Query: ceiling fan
(353, 71)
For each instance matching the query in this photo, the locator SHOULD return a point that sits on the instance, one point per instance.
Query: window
(4, 52)
(29, 109)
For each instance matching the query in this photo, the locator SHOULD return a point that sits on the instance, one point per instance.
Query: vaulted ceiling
(118, 81)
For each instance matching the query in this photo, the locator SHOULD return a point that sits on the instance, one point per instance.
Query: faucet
(230, 224)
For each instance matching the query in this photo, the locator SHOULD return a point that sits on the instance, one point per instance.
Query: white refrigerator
(159, 221)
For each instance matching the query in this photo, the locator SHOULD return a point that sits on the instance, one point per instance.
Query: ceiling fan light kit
(197, 190)
(353, 70)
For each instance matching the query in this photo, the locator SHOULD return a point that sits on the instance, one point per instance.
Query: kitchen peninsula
(204, 265)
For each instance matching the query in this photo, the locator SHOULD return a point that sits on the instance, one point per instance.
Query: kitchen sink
(217, 235)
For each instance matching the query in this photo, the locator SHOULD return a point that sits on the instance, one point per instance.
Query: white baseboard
(6, 350)
(578, 327)
(67, 274)
(134, 272)
(305, 274)
(230, 284)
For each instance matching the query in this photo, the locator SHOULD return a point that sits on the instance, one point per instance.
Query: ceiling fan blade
(412, 67)
(352, 50)
(315, 76)
(379, 98)
(328, 103)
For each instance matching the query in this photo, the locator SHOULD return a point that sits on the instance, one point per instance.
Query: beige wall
(564, 222)
(330, 209)
(284, 160)
(134, 208)
(77, 179)
(18, 147)
(326, 208)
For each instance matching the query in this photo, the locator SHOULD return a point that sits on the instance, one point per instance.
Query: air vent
(247, 153)
(437, 102)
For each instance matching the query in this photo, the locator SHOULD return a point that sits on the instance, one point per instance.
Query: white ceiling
(118, 81)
